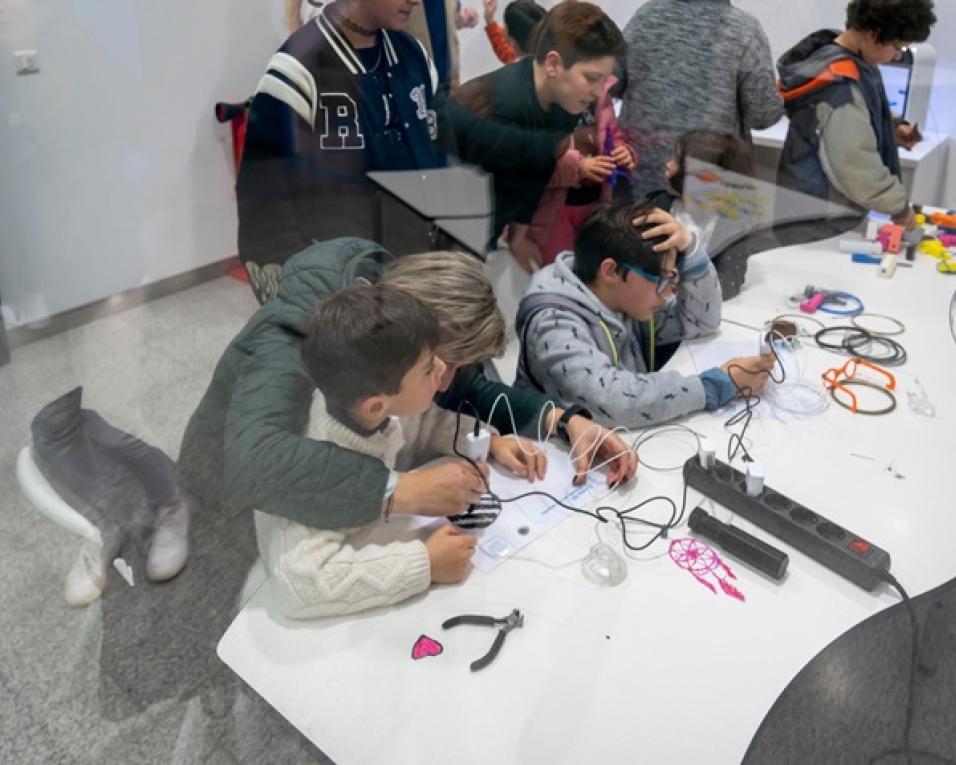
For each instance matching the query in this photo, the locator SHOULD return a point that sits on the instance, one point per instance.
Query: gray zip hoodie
(560, 352)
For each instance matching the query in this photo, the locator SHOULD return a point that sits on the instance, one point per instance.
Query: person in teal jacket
(244, 444)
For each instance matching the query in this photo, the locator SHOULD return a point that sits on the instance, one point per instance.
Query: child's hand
(449, 552)
(750, 372)
(491, 8)
(525, 251)
(907, 220)
(678, 237)
(520, 456)
(466, 18)
(908, 136)
(623, 158)
(596, 169)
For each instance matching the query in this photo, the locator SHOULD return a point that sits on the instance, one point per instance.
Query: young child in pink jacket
(579, 183)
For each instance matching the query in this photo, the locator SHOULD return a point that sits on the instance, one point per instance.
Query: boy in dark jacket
(842, 142)
(517, 121)
(348, 93)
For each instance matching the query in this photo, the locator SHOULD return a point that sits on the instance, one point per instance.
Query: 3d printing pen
(743, 546)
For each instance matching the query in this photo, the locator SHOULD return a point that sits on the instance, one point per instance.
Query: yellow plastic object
(935, 248)
(921, 220)
(946, 267)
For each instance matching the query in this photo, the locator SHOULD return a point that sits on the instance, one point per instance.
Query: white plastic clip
(888, 266)
(707, 454)
(766, 338)
(755, 476)
(477, 447)
(919, 402)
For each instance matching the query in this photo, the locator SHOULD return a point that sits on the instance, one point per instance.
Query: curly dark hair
(902, 21)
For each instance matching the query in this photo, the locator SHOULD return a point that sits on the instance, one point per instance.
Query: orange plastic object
(832, 378)
(891, 236)
(943, 219)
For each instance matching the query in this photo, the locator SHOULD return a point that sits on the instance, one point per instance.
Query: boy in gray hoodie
(589, 323)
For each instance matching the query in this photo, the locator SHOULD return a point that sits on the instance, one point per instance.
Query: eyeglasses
(663, 281)
(843, 377)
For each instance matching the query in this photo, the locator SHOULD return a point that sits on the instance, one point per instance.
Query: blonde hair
(293, 19)
(456, 287)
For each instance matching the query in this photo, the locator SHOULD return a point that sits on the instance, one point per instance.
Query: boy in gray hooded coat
(590, 322)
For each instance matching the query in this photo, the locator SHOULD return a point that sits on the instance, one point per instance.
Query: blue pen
(862, 257)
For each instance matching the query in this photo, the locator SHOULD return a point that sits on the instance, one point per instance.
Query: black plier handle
(505, 625)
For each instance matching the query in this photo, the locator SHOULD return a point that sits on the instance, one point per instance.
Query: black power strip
(839, 549)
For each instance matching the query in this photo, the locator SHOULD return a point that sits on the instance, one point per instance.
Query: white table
(923, 168)
(447, 192)
(473, 233)
(658, 669)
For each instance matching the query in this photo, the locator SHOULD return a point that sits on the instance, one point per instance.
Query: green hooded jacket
(244, 445)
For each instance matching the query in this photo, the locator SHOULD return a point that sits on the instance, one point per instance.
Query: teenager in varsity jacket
(346, 94)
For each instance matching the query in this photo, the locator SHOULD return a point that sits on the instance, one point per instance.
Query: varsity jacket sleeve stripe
(275, 86)
(297, 74)
(432, 71)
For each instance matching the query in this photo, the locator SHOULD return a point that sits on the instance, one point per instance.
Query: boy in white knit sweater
(371, 352)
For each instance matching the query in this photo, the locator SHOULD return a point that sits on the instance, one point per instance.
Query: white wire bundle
(795, 396)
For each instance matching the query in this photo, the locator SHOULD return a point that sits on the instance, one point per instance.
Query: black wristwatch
(570, 412)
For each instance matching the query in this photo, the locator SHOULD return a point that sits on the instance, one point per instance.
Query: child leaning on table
(371, 352)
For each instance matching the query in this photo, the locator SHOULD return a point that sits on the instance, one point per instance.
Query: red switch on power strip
(859, 546)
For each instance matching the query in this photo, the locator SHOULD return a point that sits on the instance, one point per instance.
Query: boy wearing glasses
(589, 323)
(842, 143)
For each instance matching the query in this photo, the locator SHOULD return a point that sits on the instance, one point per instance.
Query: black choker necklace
(346, 22)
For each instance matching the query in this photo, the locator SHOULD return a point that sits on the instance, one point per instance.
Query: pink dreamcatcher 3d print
(703, 563)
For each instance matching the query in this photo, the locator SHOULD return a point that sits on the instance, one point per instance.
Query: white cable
(514, 428)
(649, 435)
(613, 431)
(625, 551)
(821, 400)
(541, 416)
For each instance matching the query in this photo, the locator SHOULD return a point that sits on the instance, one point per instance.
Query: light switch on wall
(26, 61)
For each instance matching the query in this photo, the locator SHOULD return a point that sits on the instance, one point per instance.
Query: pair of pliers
(512, 621)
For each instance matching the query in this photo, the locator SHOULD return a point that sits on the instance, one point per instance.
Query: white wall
(114, 173)
(785, 23)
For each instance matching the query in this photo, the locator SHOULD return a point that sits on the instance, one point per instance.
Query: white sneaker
(86, 578)
(170, 544)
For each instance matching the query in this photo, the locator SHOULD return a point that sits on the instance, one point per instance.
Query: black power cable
(735, 443)
(907, 749)
(602, 514)
(856, 341)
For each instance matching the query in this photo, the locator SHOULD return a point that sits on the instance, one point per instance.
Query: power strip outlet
(840, 550)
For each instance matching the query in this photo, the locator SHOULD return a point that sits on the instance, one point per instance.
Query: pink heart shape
(425, 646)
